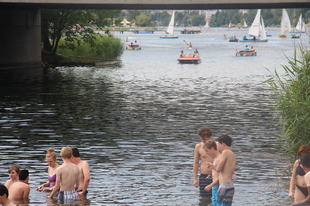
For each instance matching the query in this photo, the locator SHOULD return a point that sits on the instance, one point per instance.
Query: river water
(136, 124)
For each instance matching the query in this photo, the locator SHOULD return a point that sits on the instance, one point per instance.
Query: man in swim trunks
(211, 149)
(226, 168)
(305, 162)
(67, 178)
(84, 176)
(205, 177)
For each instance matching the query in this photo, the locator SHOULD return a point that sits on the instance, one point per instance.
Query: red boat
(189, 60)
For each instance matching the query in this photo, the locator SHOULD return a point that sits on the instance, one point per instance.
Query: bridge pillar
(20, 38)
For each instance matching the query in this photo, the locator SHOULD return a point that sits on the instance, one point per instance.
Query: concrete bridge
(20, 20)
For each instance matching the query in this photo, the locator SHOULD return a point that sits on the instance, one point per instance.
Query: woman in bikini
(51, 161)
(13, 173)
(301, 190)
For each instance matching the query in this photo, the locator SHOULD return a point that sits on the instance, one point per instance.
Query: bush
(293, 102)
(92, 45)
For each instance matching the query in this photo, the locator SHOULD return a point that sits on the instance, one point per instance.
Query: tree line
(272, 17)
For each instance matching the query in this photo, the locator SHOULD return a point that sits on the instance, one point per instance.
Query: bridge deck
(156, 4)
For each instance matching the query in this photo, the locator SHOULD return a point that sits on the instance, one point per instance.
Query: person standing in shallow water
(51, 161)
(226, 167)
(67, 178)
(19, 191)
(298, 174)
(13, 173)
(84, 176)
(205, 177)
(4, 194)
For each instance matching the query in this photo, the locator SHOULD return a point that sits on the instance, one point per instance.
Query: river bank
(52, 61)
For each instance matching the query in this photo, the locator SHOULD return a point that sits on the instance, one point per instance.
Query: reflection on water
(136, 124)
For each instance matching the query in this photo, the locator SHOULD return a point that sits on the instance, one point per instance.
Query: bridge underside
(179, 5)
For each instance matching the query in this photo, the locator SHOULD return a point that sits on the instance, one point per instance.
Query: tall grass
(92, 45)
(292, 93)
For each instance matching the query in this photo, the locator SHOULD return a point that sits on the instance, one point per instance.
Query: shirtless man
(4, 194)
(205, 177)
(226, 168)
(19, 191)
(67, 178)
(211, 149)
(84, 176)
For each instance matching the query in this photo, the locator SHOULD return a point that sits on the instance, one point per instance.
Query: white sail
(245, 25)
(286, 21)
(206, 19)
(230, 25)
(300, 27)
(255, 27)
(262, 32)
(171, 25)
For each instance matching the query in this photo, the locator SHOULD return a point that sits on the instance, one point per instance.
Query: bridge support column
(20, 38)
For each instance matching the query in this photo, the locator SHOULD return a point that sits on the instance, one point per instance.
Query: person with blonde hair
(13, 173)
(297, 180)
(67, 179)
(51, 161)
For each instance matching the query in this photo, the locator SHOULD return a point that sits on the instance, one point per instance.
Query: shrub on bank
(93, 46)
(292, 93)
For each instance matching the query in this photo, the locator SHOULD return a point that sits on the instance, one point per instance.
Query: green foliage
(57, 23)
(92, 45)
(293, 102)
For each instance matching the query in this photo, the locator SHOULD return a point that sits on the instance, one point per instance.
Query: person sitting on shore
(13, 173)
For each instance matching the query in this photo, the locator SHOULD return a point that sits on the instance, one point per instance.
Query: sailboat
(244, 24)
(285, 24)
(170, 29)
(207, 21)
(300, 27)
(257, 29)
(230, 25)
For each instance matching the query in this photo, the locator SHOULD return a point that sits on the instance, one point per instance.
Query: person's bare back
(84, 171)
(68, 173)
(19, 190)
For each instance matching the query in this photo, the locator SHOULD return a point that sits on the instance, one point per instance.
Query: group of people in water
(68, 181)
(217, 166)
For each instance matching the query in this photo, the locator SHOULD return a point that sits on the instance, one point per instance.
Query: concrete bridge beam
(20, 37)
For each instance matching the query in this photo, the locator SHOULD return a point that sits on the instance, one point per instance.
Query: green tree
(143, 19)
(57, 23)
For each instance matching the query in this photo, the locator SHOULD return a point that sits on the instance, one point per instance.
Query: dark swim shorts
(205, 180)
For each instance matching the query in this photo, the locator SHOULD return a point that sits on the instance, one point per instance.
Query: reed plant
(92, 46)
(292, 92)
